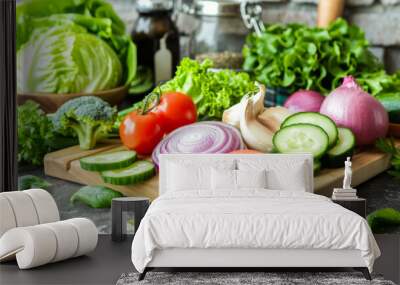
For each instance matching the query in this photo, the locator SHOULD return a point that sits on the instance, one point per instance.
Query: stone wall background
(380, 19)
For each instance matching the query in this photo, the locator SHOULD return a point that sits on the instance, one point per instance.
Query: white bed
(281, 225)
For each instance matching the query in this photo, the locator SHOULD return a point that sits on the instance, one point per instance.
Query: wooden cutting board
(64, 164)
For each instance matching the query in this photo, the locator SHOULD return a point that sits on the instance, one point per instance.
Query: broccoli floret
(89, 117)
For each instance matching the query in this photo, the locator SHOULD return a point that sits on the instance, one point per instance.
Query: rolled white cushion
(87, 235)
(46, 207)
(66, 238)
(7, 218)
(26, 208)
(33, 246)
(40, 244)
(23, 208)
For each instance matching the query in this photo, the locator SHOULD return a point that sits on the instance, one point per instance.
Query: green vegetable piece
(138, 172)
(383, 219)
(391, 102)
(89, 117)
(317, 119)
(108, 161)
(212, 92)
(82, 44)
(297, 56)
(301, 138)
(143, 81)
(95, 196)
(35, 132)
(344, 147)
(31, 181)
(76, 62)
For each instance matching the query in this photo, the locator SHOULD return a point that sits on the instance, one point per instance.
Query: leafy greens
(70, 46)
(31, 181)
(211, 91)
(384, 220)
(36, 134)
(296, 57)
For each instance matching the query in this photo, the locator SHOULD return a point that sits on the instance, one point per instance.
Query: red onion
(349, 106)
(304, 101)
(203, 137)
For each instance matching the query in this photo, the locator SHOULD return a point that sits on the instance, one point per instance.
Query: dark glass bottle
(156, 38)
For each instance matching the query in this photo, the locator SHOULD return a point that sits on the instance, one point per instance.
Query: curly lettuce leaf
(211, 91)
(296, 56)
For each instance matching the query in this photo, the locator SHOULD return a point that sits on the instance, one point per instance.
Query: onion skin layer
(202, 137)
(349, 106)
(304, 101)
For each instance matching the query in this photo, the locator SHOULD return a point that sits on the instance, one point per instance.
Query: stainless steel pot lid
(146, 6)
(213, 7)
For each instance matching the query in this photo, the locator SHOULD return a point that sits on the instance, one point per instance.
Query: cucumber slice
(139, 171)
(336, 156)
(317, 119)
(301, 138)
(108, 161)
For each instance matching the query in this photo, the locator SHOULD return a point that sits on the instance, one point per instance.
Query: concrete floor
(110, 259)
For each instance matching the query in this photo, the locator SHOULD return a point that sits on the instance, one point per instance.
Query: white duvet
(250, 219)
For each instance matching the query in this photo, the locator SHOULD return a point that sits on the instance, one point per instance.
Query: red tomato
(175, 110)
(141, 132)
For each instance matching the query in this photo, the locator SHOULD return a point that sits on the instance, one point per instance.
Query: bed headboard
(281, 162)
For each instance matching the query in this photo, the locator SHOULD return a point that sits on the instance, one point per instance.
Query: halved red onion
(202, 137)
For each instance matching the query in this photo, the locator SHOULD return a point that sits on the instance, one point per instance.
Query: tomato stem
(146, 100)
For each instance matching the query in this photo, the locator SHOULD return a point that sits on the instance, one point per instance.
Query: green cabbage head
(67, 59)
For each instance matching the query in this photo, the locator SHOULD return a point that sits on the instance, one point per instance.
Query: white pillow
(183, 175)
(223, 179)
(282, 174)
(251, 178)
(279, 180)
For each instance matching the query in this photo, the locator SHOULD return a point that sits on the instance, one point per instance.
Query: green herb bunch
(36, 134)
(35, 131)
(296, 56)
